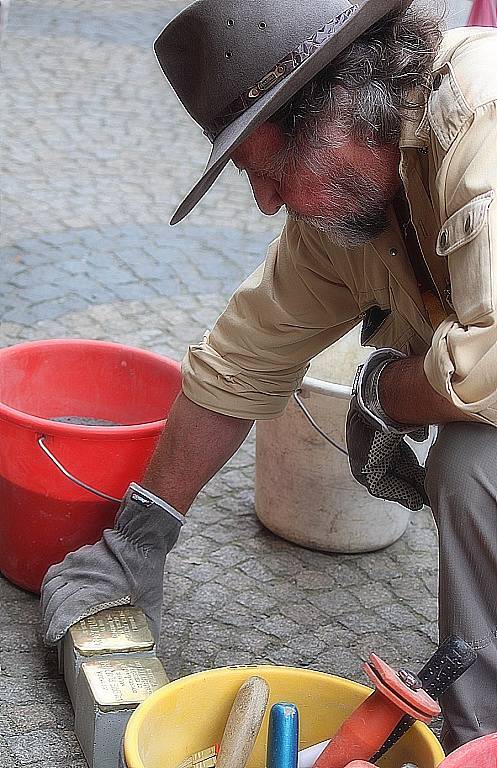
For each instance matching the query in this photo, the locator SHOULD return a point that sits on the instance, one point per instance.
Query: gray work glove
(379, 457)
(125, 567)
(384, 463)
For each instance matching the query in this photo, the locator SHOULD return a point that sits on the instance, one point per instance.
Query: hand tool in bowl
(363, 733)
(283, 736)
(451, 659)
(243, 723)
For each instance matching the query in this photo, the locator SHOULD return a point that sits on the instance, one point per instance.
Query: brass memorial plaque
(207, 758)
(114, 630)
(122, 683)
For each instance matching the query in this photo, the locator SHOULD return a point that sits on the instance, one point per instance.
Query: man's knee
(445, 463)
(462, 462)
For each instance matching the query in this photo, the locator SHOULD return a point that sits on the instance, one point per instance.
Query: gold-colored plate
(114, 630)
(121, 683)
(206, 758)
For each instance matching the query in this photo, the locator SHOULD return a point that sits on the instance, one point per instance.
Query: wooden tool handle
(243, 724)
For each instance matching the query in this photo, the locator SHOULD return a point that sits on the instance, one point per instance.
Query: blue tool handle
(283, 736)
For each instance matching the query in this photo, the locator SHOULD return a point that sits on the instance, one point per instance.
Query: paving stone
(238, 582)
(333, 634)
(213, 594)
(340, 661)
(279, 626)
(228, 657)
(359, 623)
(307, 644)
(7, 757)
(372, 595)
(392, 650)
(335, 601)
(27, 717)
(304, 614)
(257, 601)
(45, 744)
(239, 617)
(399, 615)
(229, 555)
(15, 664)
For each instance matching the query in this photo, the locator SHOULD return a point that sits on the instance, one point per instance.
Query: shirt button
(444, 239)
(437, 81)
(393, 251)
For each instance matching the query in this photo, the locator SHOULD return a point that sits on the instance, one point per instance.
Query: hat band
(283, 68)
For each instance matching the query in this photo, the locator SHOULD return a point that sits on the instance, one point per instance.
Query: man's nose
(266, 195)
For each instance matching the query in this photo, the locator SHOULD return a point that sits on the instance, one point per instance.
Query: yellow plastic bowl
(190, 714)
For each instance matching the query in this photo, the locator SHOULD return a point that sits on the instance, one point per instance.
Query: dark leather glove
(125, 567)
(383, 462)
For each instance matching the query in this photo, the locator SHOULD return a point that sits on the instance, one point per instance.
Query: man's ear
(260, 148)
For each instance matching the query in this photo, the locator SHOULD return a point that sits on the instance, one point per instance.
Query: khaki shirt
(308, 293)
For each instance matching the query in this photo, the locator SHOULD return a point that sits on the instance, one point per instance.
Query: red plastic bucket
(481, 753)
(44, 514)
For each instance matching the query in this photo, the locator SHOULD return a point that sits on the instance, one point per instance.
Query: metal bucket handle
(320, 387)
(308, 385)
(66, 473)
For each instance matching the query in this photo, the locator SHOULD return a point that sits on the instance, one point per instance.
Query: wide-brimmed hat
(234, 63)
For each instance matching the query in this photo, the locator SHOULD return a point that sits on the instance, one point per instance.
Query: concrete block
(60, 657)
(107, 693)
(117, 632)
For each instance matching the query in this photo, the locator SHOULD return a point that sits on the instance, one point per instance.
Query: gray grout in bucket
(87, 421)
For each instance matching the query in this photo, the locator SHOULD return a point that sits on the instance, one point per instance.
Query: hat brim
(367, 14)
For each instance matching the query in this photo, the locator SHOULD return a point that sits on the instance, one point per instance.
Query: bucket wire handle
(316, 426)
(66, 473)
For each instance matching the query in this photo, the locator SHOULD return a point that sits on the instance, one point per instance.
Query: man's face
(340, 188)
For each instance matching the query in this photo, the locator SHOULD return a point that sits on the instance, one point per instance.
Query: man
(381, 141)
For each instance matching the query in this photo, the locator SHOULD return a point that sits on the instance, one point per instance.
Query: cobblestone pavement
(96, 153)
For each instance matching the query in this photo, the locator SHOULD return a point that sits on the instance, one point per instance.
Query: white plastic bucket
(305, 492)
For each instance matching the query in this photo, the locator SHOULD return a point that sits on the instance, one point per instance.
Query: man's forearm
(195, 444)
(406, 396)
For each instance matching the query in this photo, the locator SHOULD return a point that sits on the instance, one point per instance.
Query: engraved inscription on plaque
(207, 758)
(111, 631)
(120, 683)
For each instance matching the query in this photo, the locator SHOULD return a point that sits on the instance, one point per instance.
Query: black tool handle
(451, 659)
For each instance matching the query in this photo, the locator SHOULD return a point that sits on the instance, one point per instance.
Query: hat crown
(214, 50)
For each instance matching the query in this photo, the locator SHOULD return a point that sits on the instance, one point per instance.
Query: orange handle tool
(361, 735)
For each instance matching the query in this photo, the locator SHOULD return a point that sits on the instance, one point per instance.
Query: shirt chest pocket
(464, 240)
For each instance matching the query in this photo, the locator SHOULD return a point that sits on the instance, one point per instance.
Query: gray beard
(351, 231)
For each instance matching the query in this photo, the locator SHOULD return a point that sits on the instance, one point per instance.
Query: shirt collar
(415, 128)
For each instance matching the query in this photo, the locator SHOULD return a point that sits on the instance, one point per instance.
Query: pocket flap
(374, 318)
(465, 224)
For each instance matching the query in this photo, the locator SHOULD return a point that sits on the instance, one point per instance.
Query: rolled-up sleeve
(461, 363)
(292, 307)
